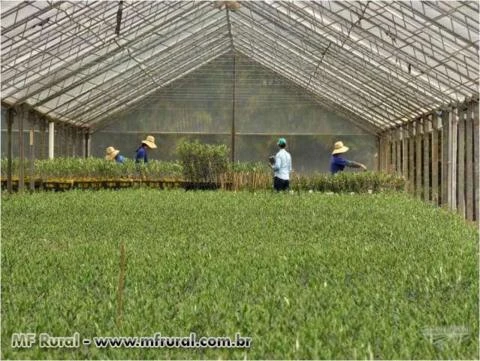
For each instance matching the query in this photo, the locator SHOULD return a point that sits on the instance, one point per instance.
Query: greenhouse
(376, 264)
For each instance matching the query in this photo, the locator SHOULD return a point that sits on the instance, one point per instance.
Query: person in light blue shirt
(114, 154)
(338, 162)
(282, 167)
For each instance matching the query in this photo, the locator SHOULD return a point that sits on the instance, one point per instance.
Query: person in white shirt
(282, 167)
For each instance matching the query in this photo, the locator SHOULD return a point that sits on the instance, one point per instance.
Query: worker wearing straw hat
(338, 162)
(149, 143)
(112, 154)
(282, 167)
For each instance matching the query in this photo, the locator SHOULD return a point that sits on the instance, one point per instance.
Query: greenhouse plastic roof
(378, 63)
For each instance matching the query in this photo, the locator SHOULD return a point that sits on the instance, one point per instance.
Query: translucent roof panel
(381, 63)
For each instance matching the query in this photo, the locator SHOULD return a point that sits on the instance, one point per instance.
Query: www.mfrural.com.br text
(45, 340)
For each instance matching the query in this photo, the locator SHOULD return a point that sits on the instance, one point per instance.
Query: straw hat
(150, 141)
(339, 148)
(111, 153)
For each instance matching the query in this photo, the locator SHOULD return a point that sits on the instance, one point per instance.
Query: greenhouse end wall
(266, 106)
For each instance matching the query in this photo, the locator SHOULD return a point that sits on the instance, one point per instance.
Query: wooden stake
(469, 166)
(476, 160)
(445, 142)
(461, 162)
(21, 149)
(398, 152)
(384, 153)
(405, 152)
(418, 161)
(426, 158)
(389, 152)
(411, 157)
(435, 156)
(9, 149)
(32, 120)
(452, 159)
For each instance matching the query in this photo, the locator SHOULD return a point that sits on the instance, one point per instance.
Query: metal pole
(9, 148)
(51, 139)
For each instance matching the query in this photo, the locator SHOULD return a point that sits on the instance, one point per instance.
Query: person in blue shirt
(112, 154)
(338, 162)
(282, 167)
(141, 156)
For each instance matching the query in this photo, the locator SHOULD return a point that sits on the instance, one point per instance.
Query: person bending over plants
(112, 154)
(141, 156)
(338, 162)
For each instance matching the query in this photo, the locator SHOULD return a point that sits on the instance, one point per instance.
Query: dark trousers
(280, 184)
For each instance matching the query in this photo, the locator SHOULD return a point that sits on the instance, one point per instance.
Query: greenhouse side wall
(438, 154)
